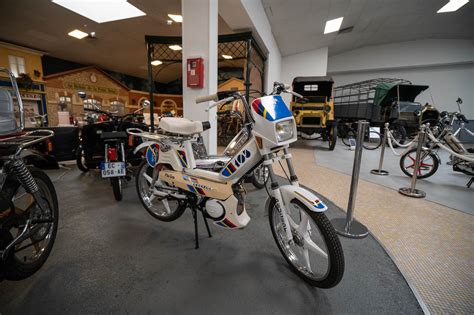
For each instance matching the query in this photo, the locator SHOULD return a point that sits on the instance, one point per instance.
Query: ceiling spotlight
(452, 5)
(169, 22)
(176, 17)
(156, 62)
(175, 47)
(333, 25)
(92, 35)
(226, 57)
(78, 34)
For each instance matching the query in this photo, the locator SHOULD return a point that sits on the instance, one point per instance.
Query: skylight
(452, 5)
(102, 11)
(333, 25)
(175, 17)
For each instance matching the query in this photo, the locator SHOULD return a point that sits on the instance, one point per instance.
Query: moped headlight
(284, 130)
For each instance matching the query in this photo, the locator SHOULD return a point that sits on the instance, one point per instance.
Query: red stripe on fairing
(229, 224)
(232, 167)
(200, 191)
(255, 105)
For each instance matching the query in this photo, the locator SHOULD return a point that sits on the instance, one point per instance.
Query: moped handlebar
(221, 102)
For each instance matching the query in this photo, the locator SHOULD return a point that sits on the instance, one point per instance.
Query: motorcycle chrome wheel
(161, 208)
(29, 255)
(316, 252)
(260, 176)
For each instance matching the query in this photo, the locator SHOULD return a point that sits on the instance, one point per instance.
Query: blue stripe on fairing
(276, 108)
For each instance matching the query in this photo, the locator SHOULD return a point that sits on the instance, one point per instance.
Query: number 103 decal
(236, 163)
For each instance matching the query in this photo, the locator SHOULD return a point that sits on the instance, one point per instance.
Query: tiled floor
(431, 244)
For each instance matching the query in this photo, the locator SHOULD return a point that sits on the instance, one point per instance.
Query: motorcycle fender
(143, 145)
(313, 202)
(39, 159)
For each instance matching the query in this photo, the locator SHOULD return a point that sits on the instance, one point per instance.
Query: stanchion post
(412, 191)
(380, 171)
(349, 226)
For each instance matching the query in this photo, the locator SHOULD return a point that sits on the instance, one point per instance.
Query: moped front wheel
(162, 208)
(316, 253)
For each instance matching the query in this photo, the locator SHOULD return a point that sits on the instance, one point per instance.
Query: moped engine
(229, 213)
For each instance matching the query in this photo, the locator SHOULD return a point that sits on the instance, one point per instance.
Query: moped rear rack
(12, 145)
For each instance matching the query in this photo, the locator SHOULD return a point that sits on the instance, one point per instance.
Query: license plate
(112, 169)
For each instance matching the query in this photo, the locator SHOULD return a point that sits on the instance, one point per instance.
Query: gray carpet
(114, 257)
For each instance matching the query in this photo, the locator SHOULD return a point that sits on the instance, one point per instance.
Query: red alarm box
(195, 72)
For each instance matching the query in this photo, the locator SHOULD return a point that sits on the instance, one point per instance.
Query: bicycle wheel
(429, 163)
(349, 134)
(372, 140)
(163, 209)
(28, 256)
(316, 254)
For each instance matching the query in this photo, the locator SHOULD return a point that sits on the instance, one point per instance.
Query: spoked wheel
(260, 176)
(372, 140)
(80, 160)
(349, 134)
(116, 183)
(332, 137)
(316, 254)
(28, 256)
(163, 209)
(429, 163)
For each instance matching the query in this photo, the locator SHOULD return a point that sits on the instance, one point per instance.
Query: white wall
(310, 63)
(447, 66)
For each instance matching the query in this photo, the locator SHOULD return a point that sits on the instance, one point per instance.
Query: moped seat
(113, 135)
(183, 126)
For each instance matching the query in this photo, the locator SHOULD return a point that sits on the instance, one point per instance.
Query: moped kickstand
(196, 236)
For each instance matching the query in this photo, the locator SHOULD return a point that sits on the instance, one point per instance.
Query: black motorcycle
(28, 201)
(107, 146)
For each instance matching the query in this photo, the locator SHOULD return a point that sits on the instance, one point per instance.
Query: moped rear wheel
(161, 208)
(116, 183)
(28, 256)
(316, 254)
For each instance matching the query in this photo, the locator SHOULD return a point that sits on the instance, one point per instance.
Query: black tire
(347, 135)
(258, 182)
(411, 155)
(399, 133)
(332, 137)
(179, 210)
(79, 160)
(116, 183)
(333, 245)
(373, 141)
(13, 268)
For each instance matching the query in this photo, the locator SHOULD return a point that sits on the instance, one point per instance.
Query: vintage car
(384, 100)
(314, 114)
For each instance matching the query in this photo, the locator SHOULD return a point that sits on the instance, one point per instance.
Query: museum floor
(113, 257)
(430, 243)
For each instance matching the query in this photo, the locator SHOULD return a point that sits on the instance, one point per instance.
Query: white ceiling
(120, 45)
(298, 25)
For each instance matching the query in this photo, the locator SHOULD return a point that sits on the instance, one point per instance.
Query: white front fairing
(268, 111)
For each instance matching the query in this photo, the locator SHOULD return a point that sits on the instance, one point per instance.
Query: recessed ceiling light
(176, 17)
(156, 62)
(452, 5)
(102, 11)
(175, 47)
(78, 34)
(226, 57)
(333, 25)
